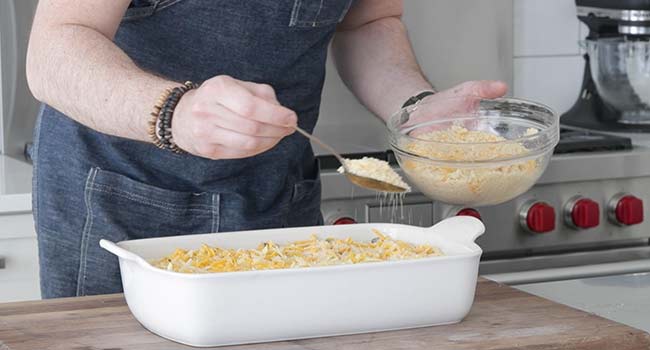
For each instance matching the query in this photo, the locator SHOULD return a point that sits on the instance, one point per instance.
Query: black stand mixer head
(608, 20)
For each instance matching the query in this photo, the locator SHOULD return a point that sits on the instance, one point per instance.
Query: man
(100, 66)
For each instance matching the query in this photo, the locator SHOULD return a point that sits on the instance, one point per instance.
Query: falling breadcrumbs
(298, 254)
(467, 182)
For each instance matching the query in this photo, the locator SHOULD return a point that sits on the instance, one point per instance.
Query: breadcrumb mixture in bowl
(485, 157)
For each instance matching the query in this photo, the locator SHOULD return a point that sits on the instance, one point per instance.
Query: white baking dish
(260, 306)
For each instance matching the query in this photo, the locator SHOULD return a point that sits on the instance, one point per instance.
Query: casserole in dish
(213, 309)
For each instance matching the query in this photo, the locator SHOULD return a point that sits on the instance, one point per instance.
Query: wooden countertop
(501, 318)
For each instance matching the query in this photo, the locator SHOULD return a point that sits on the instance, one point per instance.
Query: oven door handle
(569, 273)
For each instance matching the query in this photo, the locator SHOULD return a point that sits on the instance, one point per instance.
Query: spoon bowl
(361, 181)
(372, 184)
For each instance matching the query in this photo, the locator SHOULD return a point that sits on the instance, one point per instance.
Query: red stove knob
(626, 209)
(344, 221)
(582, 213)
(538, 217)
(469, 212)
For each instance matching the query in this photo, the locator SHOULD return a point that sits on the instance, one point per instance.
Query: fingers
(494, 89)
(217, 136)
(238, 98)
(263, 91)
(482, 88)
(222, 117)
(252, 107)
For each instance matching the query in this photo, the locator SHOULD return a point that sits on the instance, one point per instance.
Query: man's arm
(374, 58)
(74, 66)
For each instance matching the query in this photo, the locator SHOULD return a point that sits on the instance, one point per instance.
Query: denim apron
(89, 186)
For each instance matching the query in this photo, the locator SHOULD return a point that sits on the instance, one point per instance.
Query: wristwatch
(417, 98)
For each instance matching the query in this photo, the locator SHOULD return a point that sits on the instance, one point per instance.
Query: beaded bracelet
(160, 124)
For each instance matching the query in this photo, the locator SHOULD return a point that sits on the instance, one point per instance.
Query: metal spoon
(362, 181)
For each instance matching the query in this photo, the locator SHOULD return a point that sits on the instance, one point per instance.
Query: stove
(592, 205)
(575, 140)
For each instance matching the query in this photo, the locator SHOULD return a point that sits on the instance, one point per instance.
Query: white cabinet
(18, 251)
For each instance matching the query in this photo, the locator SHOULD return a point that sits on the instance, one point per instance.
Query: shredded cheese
(307, 253)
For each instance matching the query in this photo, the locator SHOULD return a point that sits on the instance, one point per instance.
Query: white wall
(454, 41)
(548, 63)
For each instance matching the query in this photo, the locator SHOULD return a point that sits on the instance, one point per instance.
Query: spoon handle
(320, 143)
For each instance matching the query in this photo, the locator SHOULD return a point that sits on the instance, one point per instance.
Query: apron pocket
(119, 208)
(305, 201)
(317, 13)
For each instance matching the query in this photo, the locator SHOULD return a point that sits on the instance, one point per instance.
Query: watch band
(417, 98)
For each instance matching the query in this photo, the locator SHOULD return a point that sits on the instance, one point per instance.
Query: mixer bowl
(475, 173)
(621, 70)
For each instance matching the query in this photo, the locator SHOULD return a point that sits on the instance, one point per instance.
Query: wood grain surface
(501, 318)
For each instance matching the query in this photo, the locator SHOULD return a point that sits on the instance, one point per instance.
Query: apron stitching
(345, 11)
(322, 22)
(109, 188)
(81, 276)
(320, 7)
(165, 4)
(294, 12)
(212, 223)
(140, 199)
(35, 148)
(216, 219)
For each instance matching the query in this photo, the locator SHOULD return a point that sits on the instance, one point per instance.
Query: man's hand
(465, 97)
(462, 99)
(485, 89)
(227, 118)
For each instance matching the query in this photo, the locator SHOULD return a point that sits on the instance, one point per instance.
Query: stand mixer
(615, 94)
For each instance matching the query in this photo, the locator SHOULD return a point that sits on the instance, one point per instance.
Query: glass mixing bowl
(621, 70)
(513, 150)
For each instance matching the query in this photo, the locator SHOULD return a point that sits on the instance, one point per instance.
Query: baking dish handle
(119, 251)
(462, 229)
